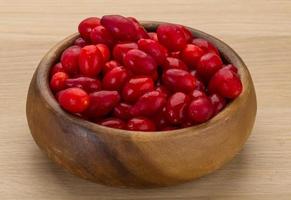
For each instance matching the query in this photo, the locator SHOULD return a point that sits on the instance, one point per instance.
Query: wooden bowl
(138, 159)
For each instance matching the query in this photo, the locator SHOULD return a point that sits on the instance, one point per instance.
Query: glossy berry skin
(74, 100)
(176, 54)
(120, 50)
(140, 31)
(148, 104)
(90, 61)
(58, 80)
(104, 50)
(171, 36)
(188, 35)
(154, 49)
(136, 87)
(231, 67)
(113, 123)
(164, 90)
(139, 62)
(86, 26)
(200, 110)
(120, 27)
(115, 78)
(179, 80)
(161, 119)
(57, 68)
(140, 124)
(209, 64)
(199, 84)
(197, 94)
(225, 83)
(192, 54)
(176, 108)
(174, 63)
(206, 46)
(100, 35)
(80, 42)
(153, 36)
(218, 102)
(122, 111)
(70, 59)
(102, 102)
(109, 66)
(87, 84)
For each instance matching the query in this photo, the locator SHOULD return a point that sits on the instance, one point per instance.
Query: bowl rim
(43, 69)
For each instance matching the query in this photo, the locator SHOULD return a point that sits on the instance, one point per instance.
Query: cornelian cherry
(100, 35)
(153, 36)
(115, 78)
(86, 26)
(80, 42)
(206, 46)
(192, 54)
(120, 50)
(174, 63)
(218, 102)
(208, 65)
(58, 80)
(154, 49)
(57, 68)
(113, 123)
(200, 110)
(87, 84)
(70, 59)
(141, 124)
(122, 111)
(109, 66)
(104, 50)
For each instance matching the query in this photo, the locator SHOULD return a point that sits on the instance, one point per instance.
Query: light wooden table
(260, 31)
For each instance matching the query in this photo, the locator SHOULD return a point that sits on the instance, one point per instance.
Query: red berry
(104, 51)
(88, 84)
(206, 46)
(153, 36)
(58, 80)
(163, 90)
(80, 42)
(140, 31)
(218, 102)
(199, 84)
(188, 35)
(208, 65)
(113, 123)
(136, 87)
(174, 63)
(57, 68)
(171, 36)
(148, 104)
(200, 110)
(102, 102)
(176, 107)
(161, 119)
(109, 66)
(140, 124)
(100, 35)
(86, 26)
(90, 61)
(122, 111)
(74, 100)
(115, 78)
(179, 80)
(225, 83)
(175, 54)
(231, 67)
(154, 49)
(120, 50)
(192, 54)
(120, 27)
(139, 62)
(70, 59)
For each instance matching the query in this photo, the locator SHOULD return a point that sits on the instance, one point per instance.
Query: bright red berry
(140, 124)
(231, 67)
(188, 35)
(225, 83)
(206, 46)
(90, 61)
(113, 123)
(153, 36)
(176, 54)
(164, 90)
(58, 80)
(115, 78)
(179, 80)
(174, 63)
(122, 111)
(192, 54)
(57, 68)
(86, 26)
(171, 36)
(104, 50)
(120, 50)
(218, 102)
(88, 84)
(208, 65)
(200, 110)
(70, 59)
(100, 35)
(74, 100)
(136, 87)
(109, 66)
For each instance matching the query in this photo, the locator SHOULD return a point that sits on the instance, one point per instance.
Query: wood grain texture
(260, 31)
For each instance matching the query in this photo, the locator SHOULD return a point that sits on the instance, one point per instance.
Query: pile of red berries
(119, 75)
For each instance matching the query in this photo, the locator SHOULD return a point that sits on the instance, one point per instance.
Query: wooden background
(260, 31)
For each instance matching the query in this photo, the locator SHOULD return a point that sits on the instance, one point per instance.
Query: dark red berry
(208, 65)
(225, 83)
(58, 80)
(139, 62)
(179, 80)
(80, 42)
(120, 27)
(140, 31)
(171, 36)
(200, 110)
(192, 54)
(104, 50)
(122, 111)
(176, 108)
(57, 68)
(100, 35)
(86, 26)
(88, 84)
(218, 102)
(90, 61)
(115, 78)
(74, 100)
(154, 49)
(169, 128)
(206, 46)
(140, 124)
(174, 63)
(161, 119)
(136, 87)
(70, 59)
(113, 123)
(163, 90)
(148, 104)
(120, 50)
